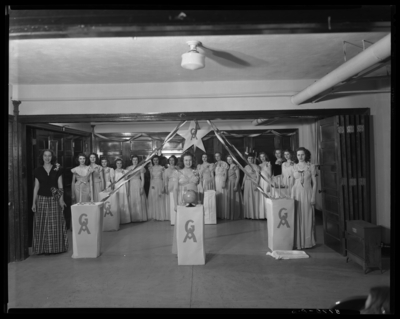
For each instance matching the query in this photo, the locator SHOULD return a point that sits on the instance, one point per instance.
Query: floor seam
(191, 289)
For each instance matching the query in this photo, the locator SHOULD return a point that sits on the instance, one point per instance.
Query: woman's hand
(34, 207)
(175, 208)
(141, 190)
(235, 189)
(62, 204)
(312, 201)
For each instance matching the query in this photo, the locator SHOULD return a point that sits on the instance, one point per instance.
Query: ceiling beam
(187, 116)
(35, 24)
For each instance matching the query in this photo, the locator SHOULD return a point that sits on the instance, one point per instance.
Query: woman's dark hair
(53, 157)
(288, 151)
(120, 160)
(277, 149)
(250, 155)
(266, 156)
(153, 157)
(83, 155)
(97, 157)
(104, 159)
(380, 301)
(133, 156)
(182, 165)
(175, 159)
(306, 153)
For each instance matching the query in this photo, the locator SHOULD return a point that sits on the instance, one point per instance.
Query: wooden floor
(136, 269)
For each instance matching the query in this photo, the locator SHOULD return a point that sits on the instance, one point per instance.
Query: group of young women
(167, 186)
(283, 178)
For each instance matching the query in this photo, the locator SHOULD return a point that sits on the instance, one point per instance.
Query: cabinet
(363, 241)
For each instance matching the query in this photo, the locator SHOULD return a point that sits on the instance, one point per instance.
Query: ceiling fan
(194, 60)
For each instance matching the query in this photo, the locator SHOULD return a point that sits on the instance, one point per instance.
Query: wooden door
(345, 178)
(332, 198)
(17, 193)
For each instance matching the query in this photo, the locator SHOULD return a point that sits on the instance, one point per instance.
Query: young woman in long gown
(156, 199)
(108, 174)
(122, 197)
(276, 173)
(81, 179)
(303, 192)
(97, 176)
(221, 198)
(206, 176)
(49, 227)
(186, 178)
(235, 200)
(136, 194)
(251, 195)
(287, 172)
(169, 182)
(265, 171)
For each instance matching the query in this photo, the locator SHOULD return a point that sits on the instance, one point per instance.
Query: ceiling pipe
(370, 56)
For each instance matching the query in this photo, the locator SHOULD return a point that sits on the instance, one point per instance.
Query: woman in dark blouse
(49, 228)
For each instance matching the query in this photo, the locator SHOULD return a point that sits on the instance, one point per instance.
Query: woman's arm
(176, 184)
(237, 173)
(103, 182)
(60, 186)
(91, 188)
(73, 187)
(142, 182)
(314, 182)
(35, 192)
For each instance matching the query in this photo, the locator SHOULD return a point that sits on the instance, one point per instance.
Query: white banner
(190, 235)
(111, 216)
(280, 215)
(210, 210)
(87, 229)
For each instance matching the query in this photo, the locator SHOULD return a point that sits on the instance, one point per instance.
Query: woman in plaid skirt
(49, 228)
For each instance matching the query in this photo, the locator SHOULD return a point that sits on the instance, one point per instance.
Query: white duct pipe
(370, 56)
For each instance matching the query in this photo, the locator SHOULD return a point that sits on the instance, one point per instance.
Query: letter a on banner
(190, 231)
(83, 224)
(283, 218)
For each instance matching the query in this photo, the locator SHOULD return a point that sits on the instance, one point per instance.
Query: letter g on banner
(83, 224)
(283, 218)
(189, 232)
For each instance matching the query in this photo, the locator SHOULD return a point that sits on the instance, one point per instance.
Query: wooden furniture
(364, 244)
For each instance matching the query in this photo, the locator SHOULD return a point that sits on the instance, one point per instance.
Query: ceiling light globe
(193, 60)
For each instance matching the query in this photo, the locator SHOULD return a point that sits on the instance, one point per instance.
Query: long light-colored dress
(156, 199)
(302, 193)
(221, 193)
(251, 195)
(137, 202)
(206, 178)
(96, 181)
(235, 200)
(82, 186)
(169, 181)
(108, 173)
(122, 197)
(265, 170)
(288, 178)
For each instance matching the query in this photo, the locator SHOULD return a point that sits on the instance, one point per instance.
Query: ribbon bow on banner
(129, 174)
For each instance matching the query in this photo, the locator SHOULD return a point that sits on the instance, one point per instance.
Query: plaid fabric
(49, 228)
